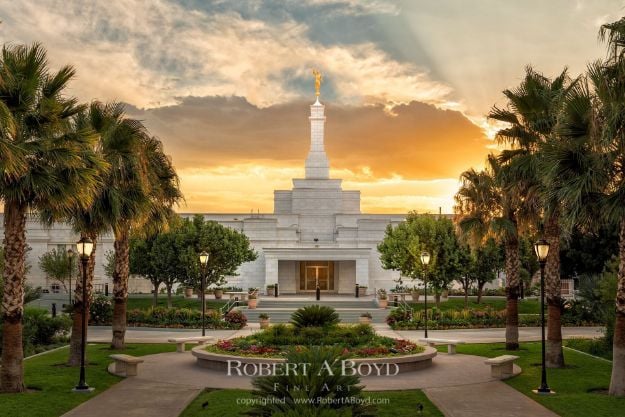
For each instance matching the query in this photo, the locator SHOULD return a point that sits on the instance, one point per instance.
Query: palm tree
(608, 79)
(532, 113)
(47, 162)
(485, 208)
(150, 195)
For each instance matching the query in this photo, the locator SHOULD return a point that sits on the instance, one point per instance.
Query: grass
(575, 385)
(178, 301)
(597, 347)
(50, 381)
(230, 403)
(526, 306)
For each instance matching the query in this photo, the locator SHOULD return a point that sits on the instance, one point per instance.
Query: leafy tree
(56, 265)
(171, 257)
(109, 263)
(402, 246)
(228, 249)
(141, 263)
(46, 161)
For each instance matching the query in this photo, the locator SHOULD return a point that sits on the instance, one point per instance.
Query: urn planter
(383, 303)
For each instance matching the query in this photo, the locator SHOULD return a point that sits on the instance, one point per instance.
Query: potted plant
(362, 291)
(270, 289)
(188, 292)
(252, 301)
(264, 320)
(445, 294)
(365, 318)
(219, 292)
(382, 298)
(415, 294)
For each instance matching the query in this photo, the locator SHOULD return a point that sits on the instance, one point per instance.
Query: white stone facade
(316, 235)
(313, 223)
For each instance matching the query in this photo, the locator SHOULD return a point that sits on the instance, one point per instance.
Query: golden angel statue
(318, 80)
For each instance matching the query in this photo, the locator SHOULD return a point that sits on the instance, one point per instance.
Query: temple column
(271, 271)
(362, 272)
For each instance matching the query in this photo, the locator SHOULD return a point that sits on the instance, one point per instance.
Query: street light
(541, 247)
(203, 263)
(425, 260)
(70, 257)
(84, 248)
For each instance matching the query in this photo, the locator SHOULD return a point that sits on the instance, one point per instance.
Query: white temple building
(315, 235)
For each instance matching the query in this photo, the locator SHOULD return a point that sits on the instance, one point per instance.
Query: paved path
(457, 384)
(486, 399)
(526, 334)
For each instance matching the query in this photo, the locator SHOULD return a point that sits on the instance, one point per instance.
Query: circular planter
(188, 292)
(251, 303)
(364, 320)
(219, 361)
(383, 303)
(219, 294)
(415, 296)
(264, 323)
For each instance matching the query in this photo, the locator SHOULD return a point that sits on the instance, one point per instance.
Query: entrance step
(347, 315)
(269, 302)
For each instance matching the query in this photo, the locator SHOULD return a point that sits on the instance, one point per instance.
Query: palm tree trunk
(120, 286)
(617, 381)
(75, 343)
(12, 369)
(512, 294)
(553, 291)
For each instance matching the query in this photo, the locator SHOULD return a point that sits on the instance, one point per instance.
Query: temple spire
(317, 165)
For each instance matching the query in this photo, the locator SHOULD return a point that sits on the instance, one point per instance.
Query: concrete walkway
(102, 334)
(459, 385)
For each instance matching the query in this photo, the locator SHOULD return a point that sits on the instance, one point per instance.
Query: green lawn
(230, 403)
(525, 306)
(178, 301)
(575, 384)
(50, 381)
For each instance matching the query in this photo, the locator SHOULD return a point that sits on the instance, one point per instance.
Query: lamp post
(203, 263)
(84, 248)
(541, 247)
(70, 257)
(425, 260)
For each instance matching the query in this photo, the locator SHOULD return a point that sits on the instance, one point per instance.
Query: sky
(226, 84)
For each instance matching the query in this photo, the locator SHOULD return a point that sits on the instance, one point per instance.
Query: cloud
(419, 142)
(358, 7)
(149, 52)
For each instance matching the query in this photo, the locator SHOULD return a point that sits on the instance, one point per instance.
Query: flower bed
(401, 319)
(357, 341)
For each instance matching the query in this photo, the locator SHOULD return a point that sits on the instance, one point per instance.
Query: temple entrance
(313, 273)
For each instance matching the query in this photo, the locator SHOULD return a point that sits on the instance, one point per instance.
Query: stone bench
(501, 367)
(451, 344)
(182, 341)
(126, 364)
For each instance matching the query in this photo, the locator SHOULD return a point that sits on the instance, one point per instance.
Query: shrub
(315, 316)
(320, 384)
(41, 330)
(367, 315)
(263, 316)
(397, 315)
(236, 318)
(101, 310)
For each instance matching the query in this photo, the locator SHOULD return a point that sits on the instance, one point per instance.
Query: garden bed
(358, 343)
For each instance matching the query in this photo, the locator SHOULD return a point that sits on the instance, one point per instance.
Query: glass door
(313, 273)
